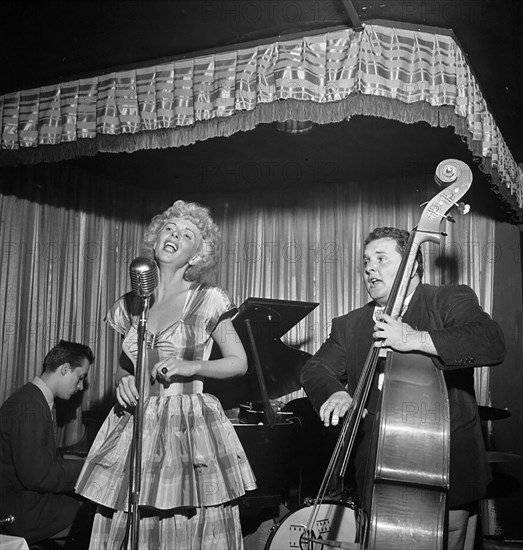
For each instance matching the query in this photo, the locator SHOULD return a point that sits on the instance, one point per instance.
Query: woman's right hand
(126, 391)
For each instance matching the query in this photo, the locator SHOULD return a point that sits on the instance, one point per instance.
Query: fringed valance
(394, 73)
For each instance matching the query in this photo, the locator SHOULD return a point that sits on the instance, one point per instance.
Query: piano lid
(269, 320)
(272, 318)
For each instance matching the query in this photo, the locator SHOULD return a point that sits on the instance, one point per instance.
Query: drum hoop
(274, 529)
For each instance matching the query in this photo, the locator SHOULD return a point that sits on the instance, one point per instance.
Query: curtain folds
(400, 74)
(68, 239)
(66, 245)
(307, 246)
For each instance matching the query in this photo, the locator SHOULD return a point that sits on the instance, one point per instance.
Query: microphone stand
(135, 470)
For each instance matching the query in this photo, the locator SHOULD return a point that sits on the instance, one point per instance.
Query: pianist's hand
(335, 408)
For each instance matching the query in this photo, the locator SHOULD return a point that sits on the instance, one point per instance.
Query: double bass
(411, 473)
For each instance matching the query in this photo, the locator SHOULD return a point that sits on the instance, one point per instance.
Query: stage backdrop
(67, 242)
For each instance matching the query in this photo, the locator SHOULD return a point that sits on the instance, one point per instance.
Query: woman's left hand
(167, 368)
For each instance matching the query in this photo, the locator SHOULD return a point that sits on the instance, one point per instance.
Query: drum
(334, 521)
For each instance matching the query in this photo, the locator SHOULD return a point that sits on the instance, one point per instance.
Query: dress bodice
(188, 338)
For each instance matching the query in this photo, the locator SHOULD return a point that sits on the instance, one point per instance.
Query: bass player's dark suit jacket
(32, 478)
(464, 337)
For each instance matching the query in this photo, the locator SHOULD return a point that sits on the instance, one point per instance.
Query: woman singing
(193, 466)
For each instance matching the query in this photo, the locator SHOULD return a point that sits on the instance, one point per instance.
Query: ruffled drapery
(394, 73)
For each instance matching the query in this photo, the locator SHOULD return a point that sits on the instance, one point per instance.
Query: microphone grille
(144, 276)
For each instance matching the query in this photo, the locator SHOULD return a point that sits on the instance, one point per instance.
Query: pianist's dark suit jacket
(464, 336)
(32, 478)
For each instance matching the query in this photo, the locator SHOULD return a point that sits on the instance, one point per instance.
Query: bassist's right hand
(335, 408)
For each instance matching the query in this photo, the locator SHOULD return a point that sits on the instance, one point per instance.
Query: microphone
(144, 276)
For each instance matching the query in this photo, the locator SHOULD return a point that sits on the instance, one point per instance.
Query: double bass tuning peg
(463, 208)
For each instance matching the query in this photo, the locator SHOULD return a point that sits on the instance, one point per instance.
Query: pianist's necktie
(53, 414)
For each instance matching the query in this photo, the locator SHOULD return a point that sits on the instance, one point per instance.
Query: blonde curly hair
(198, 215)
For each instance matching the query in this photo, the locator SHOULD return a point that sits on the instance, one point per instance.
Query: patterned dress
(193, 464)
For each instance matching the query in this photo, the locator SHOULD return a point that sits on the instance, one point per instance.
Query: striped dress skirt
(193, 470)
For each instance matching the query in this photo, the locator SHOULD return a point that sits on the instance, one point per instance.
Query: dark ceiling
(45, 42)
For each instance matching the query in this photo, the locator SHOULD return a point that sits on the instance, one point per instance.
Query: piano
(273, 366)
(269, 437)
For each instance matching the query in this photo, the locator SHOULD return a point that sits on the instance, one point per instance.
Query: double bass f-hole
(418, 459)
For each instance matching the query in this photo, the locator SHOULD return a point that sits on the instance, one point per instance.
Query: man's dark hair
(67, 352)
(401, 237)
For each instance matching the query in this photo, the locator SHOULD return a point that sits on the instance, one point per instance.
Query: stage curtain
(66, 243)
(307, 246)
(68, 239)
(395, 73)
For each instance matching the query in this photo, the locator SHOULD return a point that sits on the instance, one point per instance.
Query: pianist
(34, 482)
